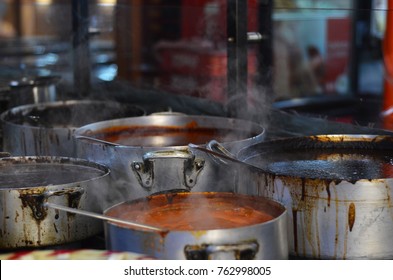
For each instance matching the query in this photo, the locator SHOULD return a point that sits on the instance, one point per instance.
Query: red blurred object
(197, 68)
(200, 15)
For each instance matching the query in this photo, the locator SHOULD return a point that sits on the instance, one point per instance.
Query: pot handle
(36, 201)
(4, 154)
(84, 137)
(214, 146)
(144, 171)
(218, 153)
(241, 251)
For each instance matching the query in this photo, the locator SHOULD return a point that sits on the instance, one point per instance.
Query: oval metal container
(28, 182)
(46, 129)
(337, 190)
(259, 240)
(150, 154)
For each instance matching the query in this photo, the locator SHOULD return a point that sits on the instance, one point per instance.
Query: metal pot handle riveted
(240, 251)
(36, 201)
(219, 153)
(183, 160)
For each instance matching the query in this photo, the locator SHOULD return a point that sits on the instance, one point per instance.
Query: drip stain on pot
(34, 199)
(351, 215)
(294, 217)
(328, 193)
(303, 189)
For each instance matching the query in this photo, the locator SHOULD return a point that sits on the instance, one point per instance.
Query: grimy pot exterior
(27, 133)
(330, 219)
(27, 223)
(138, 171)
(266, 240)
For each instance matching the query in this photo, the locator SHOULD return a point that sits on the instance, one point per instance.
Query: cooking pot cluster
(151, 183)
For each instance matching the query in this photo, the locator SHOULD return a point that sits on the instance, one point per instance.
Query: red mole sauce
(167, 135)
(197, 211)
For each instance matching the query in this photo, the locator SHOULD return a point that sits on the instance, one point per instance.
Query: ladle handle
(218, 153)
(223, 154)
(96, 140)
(101, 217)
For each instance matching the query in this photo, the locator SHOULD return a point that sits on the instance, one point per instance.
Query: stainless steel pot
(28, 182)
(337, 190)
(34, 90)
(149, 154)
(209, 240)
(46, 129)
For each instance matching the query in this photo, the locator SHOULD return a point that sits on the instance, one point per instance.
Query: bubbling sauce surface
(197, 211)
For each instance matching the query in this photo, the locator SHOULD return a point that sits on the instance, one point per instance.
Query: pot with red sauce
(150, 154)
(201, 225)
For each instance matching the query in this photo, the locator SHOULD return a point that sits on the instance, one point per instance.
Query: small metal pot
(46, 129)
(150, 154)
(28, 182)
(34, 90)
(337, 190)
(254, 240)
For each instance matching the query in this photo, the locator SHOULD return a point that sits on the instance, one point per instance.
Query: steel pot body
(149, 154)
(46, 129)
(337, 190)
(28, 182)
(266, 240)
(34, 90)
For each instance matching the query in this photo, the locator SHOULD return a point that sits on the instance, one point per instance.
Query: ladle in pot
(103, 217)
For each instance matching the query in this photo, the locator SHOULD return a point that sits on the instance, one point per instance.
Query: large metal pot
(28, 182)
(201, 226)
(149, 154)
(337, 190)
(46, 129)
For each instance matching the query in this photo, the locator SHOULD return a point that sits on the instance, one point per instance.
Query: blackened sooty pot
(28, 182)
(338, 191)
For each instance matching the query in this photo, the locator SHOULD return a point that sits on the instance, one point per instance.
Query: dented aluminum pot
(46, 129)
(337, 190)
(205, 231)
(149, 154)
(28, 182)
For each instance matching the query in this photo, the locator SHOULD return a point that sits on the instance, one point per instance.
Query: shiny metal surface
(267, 240)
(47, 128)
(169, 172)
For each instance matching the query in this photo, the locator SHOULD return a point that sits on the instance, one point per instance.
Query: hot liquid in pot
(159, 136)
(197, 211)
(330, 164)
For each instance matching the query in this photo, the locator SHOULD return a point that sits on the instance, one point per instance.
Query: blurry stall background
(319, 59)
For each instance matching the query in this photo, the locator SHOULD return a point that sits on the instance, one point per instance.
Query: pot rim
(8, 115)
(159, 120)
(54, 159)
